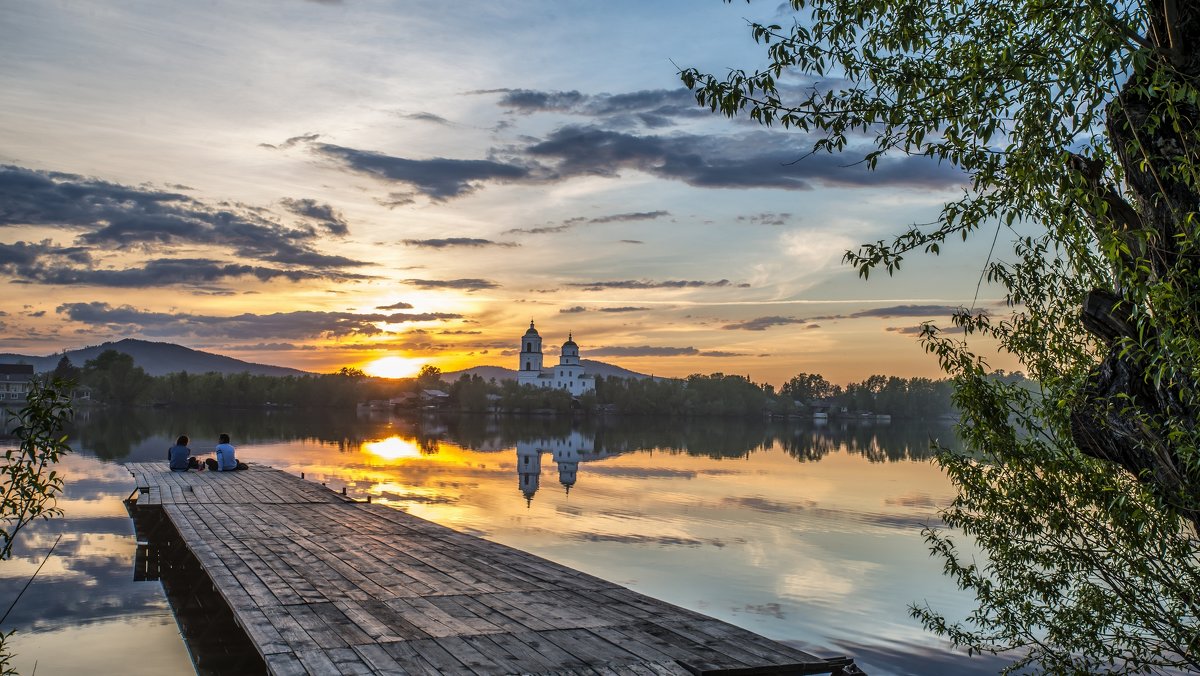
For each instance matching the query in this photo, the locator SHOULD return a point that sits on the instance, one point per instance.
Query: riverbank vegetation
(113, 378)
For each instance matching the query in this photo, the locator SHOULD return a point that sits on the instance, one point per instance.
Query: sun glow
(393, 367)
(392, 448)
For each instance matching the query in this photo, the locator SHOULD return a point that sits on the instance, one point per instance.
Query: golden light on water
(392, 448)
(394, 367)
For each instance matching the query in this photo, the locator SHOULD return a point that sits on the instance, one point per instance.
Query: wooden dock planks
(325, 585)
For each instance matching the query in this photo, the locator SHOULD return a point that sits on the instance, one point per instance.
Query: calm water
(808, 535)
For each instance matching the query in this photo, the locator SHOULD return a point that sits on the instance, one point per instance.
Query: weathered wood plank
(322, 585)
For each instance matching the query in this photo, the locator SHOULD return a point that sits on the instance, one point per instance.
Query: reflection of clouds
(653, 472)
(913, 500)
(761, 504)
(660, 540)
(819, 582)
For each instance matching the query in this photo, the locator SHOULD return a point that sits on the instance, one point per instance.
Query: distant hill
(597, 368)
(157, 359)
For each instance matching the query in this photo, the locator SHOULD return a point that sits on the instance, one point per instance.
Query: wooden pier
(322, 584)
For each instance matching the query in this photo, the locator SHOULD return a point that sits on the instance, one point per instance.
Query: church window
(527, 366)
(529, 347)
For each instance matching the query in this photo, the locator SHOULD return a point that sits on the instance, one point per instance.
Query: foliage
(29, 478)
(1075, 127)
(114, 378)
(30, 482)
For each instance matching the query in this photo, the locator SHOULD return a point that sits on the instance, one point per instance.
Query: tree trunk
(1117, 417)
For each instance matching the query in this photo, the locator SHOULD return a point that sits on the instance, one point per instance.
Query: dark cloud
(916, 330)
(649, 108)
(321, 213)
(110, 216)
(648, 284)
(755, 160)
(396, 306)
(766, 218)
(462, 284)
(166, 272)
(438, 178)
(572, 310)
(247, 326)
(427, 117)
(721, 354)
(632, 241)
(634, 216)
(459, 332)
(762, 323)
(909, 311)
(457, 242)
(624, 309)
(642, 351)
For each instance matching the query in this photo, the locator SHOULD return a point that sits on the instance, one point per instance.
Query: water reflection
(808, 534)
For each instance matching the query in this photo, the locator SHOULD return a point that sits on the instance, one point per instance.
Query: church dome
(570, 342)
(532, 331)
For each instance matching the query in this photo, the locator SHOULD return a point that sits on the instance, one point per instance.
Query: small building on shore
(15, 382)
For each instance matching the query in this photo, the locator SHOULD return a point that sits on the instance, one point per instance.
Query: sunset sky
(322, 184)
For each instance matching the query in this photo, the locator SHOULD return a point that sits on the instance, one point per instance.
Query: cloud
(572, 310)
(457, 242)
(754, 160)
(396, 306)
(650, 108)
(438, 178)
(427, 117)
(577, 221)
(766, 218)
(642, 351)
(909, 311)
(169, 271)
(268, 347)
(461, 284)
(916, 330)
(295, 140)
(247, 326)
(649, 284)
(762, 323)
(624, 309)
(110, 216)
(632, 241)
(322, 213)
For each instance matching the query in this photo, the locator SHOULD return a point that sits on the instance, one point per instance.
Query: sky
(319, 184)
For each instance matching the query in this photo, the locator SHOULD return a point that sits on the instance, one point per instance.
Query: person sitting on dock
(179, 456)
(225, 462)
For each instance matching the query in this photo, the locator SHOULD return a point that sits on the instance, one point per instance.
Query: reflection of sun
(392, 448)
(393, 367)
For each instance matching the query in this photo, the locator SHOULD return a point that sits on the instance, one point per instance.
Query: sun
(393, 367)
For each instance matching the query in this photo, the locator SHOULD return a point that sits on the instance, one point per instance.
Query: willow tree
(1075, 124)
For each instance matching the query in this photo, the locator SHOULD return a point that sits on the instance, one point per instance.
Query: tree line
(114, 378)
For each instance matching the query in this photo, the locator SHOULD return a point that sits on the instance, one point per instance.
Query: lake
(810, 535)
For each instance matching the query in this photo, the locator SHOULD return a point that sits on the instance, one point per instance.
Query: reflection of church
(566, 452)
(569, 375)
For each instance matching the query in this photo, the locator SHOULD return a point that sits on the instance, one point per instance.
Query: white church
(569, 375)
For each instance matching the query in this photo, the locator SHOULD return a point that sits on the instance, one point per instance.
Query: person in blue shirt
(226, 461)
(179, 456)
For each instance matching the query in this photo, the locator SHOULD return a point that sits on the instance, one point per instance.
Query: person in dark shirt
(179, 456)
